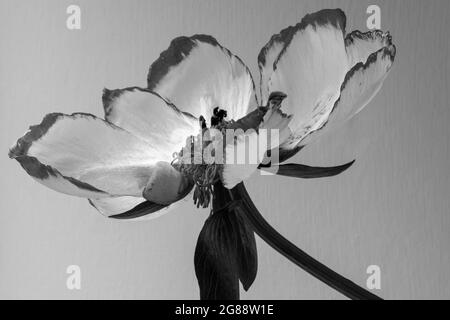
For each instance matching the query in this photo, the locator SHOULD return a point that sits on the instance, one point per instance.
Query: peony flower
(138, 162)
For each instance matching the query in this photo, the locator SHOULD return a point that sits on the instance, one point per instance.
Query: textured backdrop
(390, 209)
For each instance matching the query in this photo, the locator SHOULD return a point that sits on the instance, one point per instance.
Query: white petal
(310, 61)
(53, 179)
(362, 83)
(148, 116)
(360, 45)
(244, 154)
(310, 70)
(167, 185)
(267, 56)
(98, 158)
(197, 74)
(238, 165)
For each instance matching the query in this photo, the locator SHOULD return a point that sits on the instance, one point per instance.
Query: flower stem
(293, 253)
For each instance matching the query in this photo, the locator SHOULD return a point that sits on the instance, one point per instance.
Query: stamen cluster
(191, 161)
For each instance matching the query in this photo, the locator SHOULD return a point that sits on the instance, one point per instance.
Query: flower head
(123, 162)
(142, 158)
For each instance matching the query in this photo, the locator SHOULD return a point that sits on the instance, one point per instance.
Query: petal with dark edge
(197, 74)
(361, 84)
(360, 45)
(268, 55)
(85, 156)
(146, 115)
(305, 61)
(129, 208)
(310, 70)
(312, 63)
(53, 179)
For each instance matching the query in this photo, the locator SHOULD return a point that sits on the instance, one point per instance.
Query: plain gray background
(390, 209)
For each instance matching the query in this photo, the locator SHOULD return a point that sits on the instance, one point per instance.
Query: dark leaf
(306, 172)
(143, 209)
(215, 260)
(225, 252)
(247, 253)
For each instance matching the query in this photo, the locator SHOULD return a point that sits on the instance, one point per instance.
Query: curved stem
(293, 253)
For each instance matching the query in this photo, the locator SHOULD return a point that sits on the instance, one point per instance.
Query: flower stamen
(191, 162)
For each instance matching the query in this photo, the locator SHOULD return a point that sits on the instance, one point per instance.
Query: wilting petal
(53, 179)
(360, 45)
(197, 74)
(85, 156)
(361, 84)
(148, 116)
(310, 62)
(268, 55)
(129, 208)
(310, 68)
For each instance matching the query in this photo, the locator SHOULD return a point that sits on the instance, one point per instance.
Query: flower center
(191, 160)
